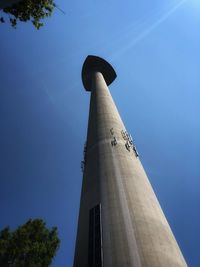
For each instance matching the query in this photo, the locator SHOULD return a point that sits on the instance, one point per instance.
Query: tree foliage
(30, 245)
(29, 10)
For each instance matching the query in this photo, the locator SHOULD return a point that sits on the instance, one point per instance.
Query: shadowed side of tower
(120, 223)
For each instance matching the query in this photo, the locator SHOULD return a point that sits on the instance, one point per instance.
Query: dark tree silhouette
(26, 10)
(30, 245)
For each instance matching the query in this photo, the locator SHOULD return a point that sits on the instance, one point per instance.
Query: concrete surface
(135, 232)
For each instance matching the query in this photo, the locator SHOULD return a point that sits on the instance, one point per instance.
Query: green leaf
(31, 244)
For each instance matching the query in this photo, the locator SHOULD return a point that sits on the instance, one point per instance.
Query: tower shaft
(121, 223)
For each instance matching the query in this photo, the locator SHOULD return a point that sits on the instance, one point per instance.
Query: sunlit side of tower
(121, 223)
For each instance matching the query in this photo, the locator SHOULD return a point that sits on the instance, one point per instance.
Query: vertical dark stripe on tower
(95, 238)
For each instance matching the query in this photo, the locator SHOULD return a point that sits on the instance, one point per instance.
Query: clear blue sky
(154, 47)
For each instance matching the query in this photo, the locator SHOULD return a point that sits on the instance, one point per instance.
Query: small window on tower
(95, 238)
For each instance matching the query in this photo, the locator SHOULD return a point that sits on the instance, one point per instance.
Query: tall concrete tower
(121, 223)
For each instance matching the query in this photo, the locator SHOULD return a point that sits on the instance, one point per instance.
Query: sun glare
(194, 3)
